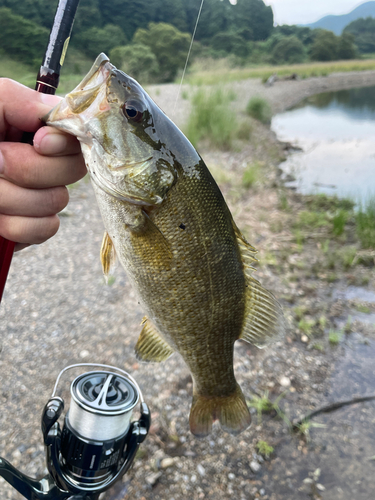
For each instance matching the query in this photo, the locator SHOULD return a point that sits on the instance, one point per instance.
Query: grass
(259, 108)
(252, 174)
(211, 72)
(264, 448)
(365, 223)
(334, 337)
(211, 118)
(263, 404)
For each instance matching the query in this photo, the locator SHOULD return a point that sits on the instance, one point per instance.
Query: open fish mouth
(72, 112)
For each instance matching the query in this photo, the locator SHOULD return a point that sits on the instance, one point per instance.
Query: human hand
(33, 178)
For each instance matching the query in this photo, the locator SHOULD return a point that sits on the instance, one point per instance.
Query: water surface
(336, 131)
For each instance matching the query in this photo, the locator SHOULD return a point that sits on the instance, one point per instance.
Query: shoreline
(282, 95)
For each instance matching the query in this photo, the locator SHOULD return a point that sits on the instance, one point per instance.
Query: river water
(336, 134)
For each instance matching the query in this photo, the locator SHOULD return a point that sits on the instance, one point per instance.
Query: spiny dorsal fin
(107, 254)
(264, 319)
(150, 345)
(248, 252)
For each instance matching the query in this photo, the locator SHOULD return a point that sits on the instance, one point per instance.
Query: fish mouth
(69, 115)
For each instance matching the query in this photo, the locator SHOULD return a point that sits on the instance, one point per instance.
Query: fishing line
(188, 55)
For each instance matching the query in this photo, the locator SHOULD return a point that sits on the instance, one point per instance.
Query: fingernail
(53, 143)
(49, 99)
(1, 163)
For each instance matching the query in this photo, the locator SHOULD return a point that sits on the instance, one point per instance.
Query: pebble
(255, 466)
(152, 479)
(304, 339)
(167, 462)
(201, 470)
(285, 381)
(262, 492)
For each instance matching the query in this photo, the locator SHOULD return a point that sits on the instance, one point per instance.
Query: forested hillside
(150, 38)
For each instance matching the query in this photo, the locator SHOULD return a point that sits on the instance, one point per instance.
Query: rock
(152, 479)
(167, 462)
(201, 470)
(304, 339)
(285, 381)
(255, 466)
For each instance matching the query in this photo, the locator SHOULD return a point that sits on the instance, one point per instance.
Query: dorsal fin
(264, 320)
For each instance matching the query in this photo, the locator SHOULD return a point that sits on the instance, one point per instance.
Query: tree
(253, 14)
(169, 45)
(289, 50)
(229, 43)
(96, 40)
(128, 14)
(137, 61)
(23, 39)
(325, 46)
(363, 31)
(346, 48)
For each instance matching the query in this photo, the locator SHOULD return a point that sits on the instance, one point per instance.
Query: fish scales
(174, 234)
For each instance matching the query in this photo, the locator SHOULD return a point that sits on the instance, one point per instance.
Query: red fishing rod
(47, 82)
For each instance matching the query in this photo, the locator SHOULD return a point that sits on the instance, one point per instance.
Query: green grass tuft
(259, 109)
(365, 224)
(211, 118)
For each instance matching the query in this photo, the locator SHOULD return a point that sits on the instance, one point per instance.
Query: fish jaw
(83, 103)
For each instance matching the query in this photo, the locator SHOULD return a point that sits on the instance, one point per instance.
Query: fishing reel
(97, 442)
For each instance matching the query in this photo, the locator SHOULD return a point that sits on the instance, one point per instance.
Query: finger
(22, 107)
(29, 230)
(22, 165)
(20, 246)
(49, 141)
(15, 200)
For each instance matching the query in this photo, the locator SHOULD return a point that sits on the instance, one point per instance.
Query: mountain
(338, 23)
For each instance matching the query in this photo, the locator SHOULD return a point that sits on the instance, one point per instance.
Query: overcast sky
(304, 12)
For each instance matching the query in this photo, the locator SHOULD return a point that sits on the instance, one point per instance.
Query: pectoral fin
(107, 254)
(150, 345)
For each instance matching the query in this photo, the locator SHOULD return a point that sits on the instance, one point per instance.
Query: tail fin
(231, 411)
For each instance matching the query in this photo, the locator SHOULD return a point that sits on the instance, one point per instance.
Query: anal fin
(107, 254)
(150, 346)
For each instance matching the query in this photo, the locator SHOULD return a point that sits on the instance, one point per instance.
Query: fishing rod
(47, 82)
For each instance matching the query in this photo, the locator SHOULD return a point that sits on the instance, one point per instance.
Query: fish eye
(133, 111)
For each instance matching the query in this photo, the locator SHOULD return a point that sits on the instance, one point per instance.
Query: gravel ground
(57, 310)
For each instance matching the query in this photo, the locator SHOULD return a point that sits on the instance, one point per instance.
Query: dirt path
(57, 311)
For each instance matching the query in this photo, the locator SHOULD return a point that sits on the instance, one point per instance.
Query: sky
(305, 12)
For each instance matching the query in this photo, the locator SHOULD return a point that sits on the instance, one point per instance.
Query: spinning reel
(97, 442)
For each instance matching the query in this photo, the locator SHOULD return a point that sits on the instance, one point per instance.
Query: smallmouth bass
(169, 225)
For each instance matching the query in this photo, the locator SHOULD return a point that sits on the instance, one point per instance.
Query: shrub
(259, 109)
